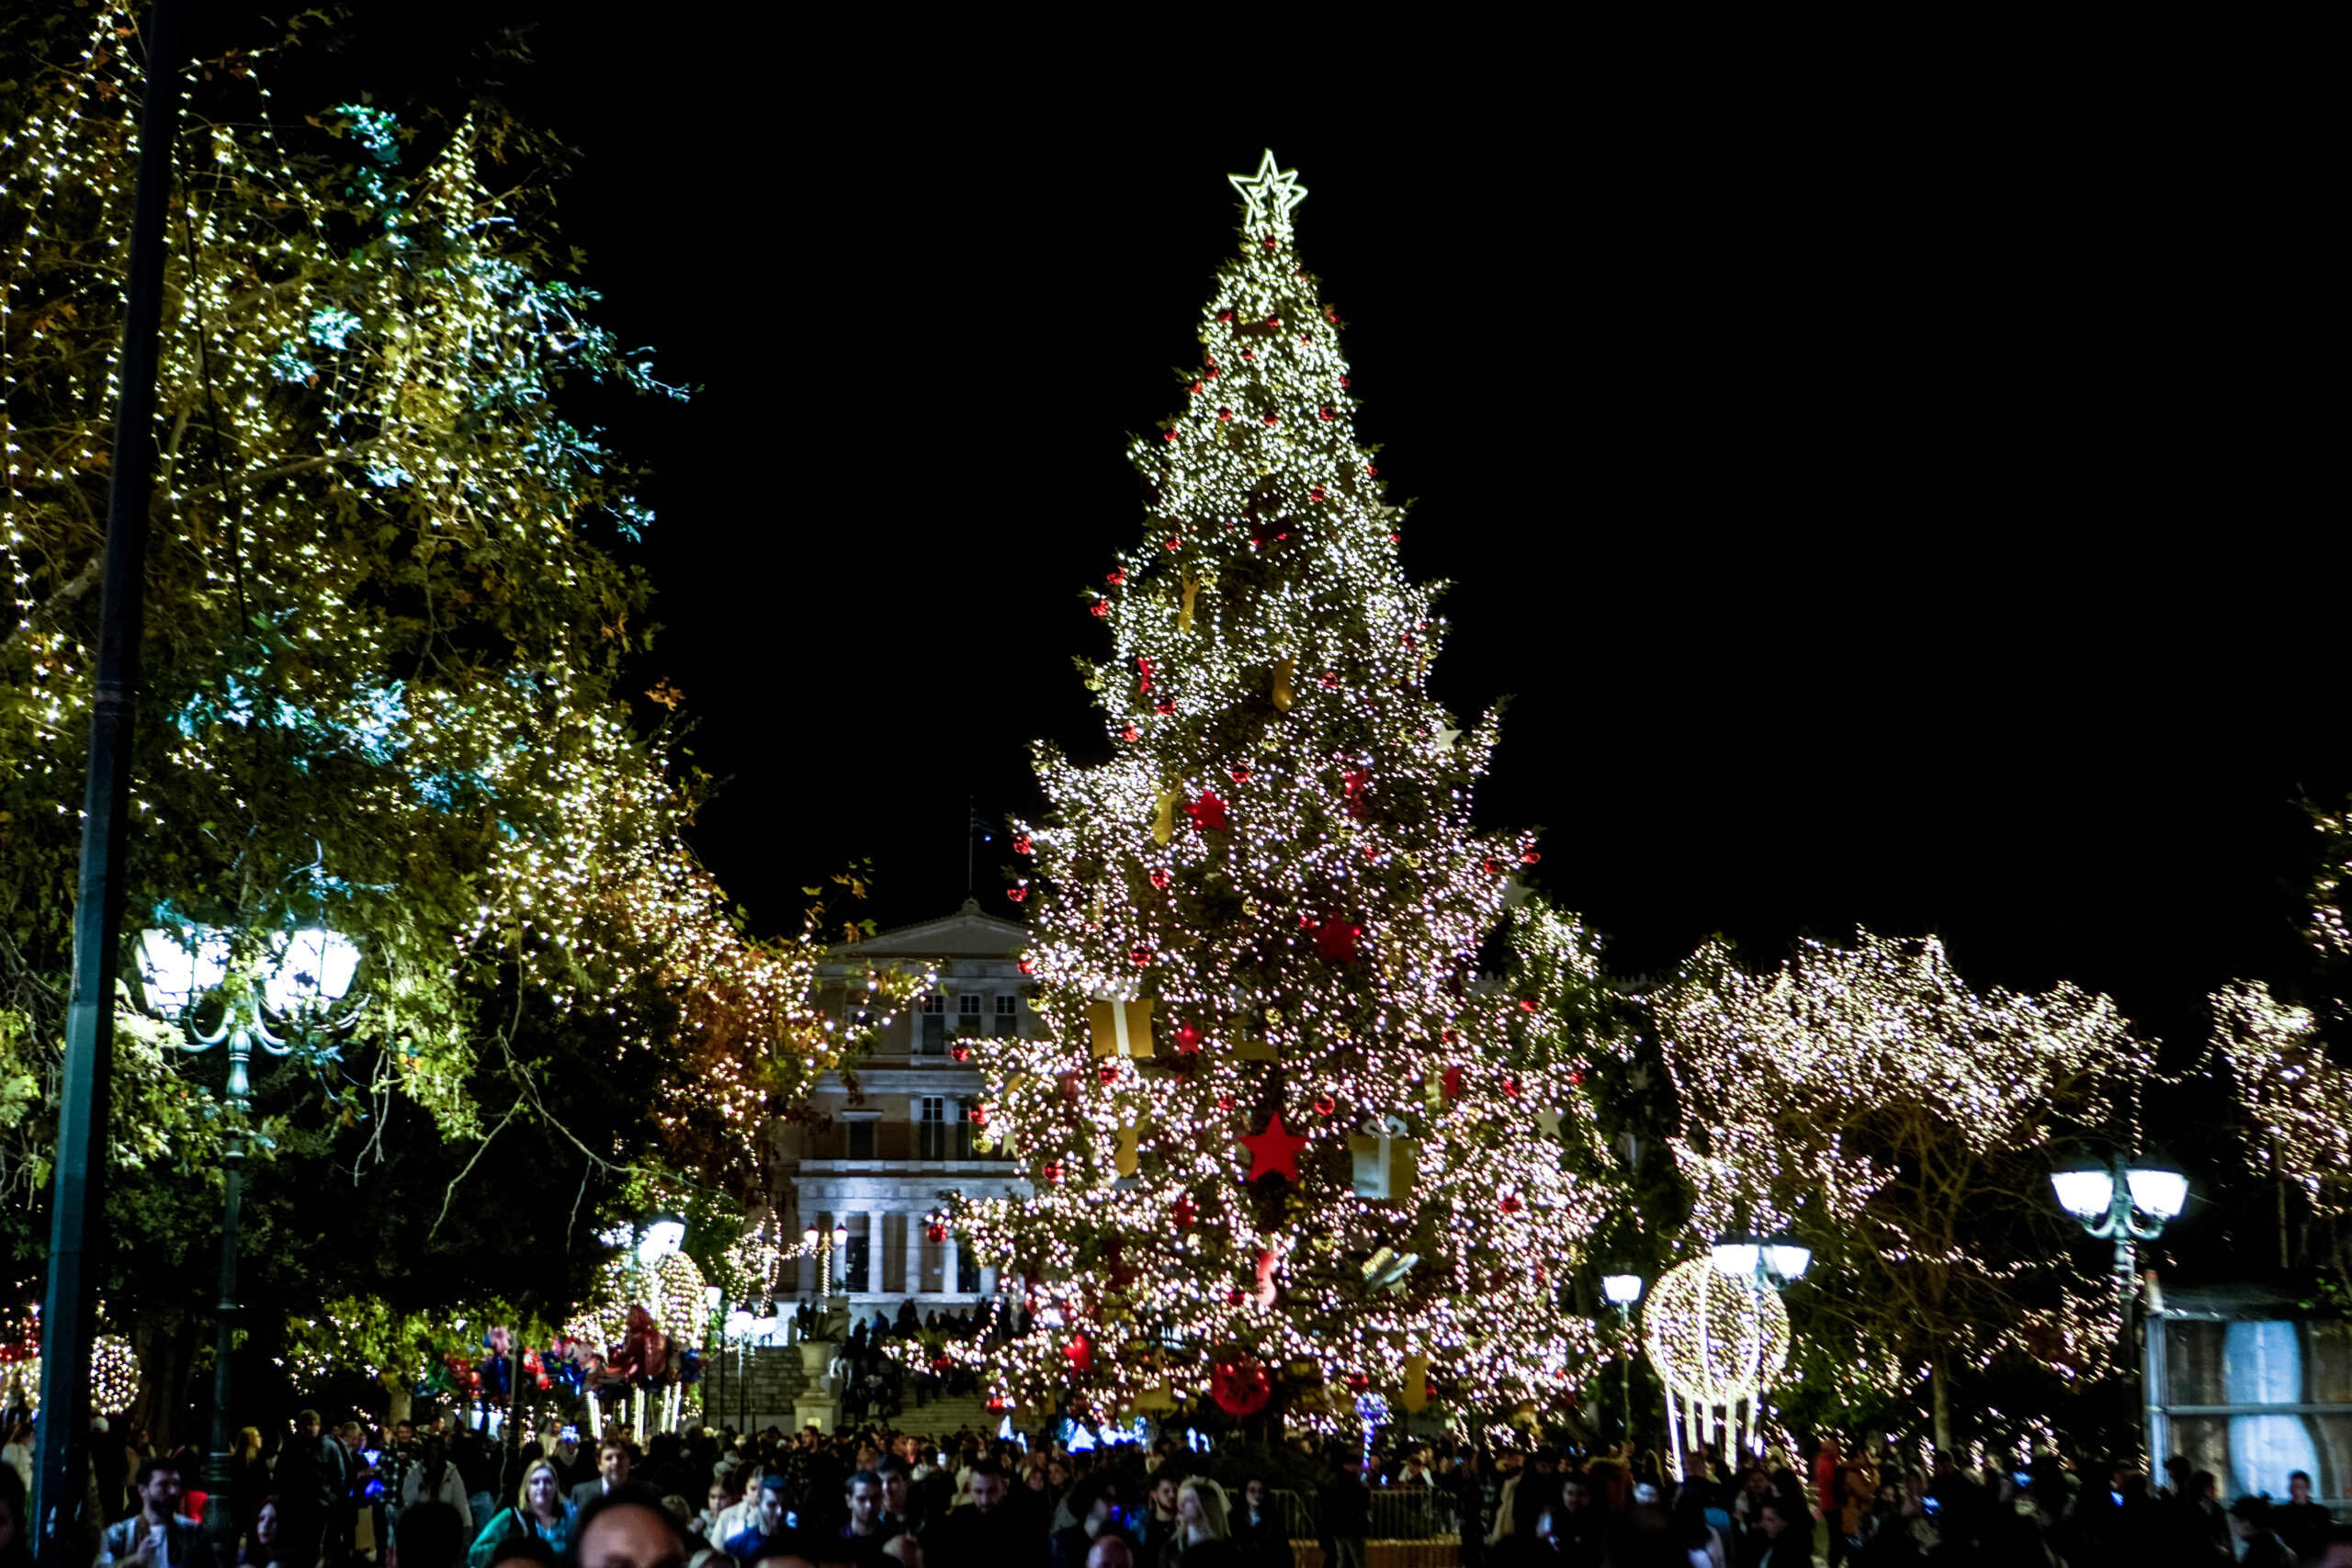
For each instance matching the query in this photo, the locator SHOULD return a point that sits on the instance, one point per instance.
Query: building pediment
(968, 934)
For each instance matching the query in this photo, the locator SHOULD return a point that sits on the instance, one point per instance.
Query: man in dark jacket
(1095, 1503)
(992, 1529)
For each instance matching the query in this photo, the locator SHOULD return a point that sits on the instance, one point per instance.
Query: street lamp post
(297, 1005)
(1624, 1291)
(2109, 1198)
(1761, 1263)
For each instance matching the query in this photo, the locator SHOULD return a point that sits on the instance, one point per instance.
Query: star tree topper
(1268, 197)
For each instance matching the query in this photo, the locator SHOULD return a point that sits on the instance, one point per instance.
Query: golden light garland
(2299, 1101)
(1268, 904)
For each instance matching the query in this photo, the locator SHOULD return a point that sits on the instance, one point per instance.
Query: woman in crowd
(1201, 1539)
(434, 1478)
(541, 1511)
(264, 1540)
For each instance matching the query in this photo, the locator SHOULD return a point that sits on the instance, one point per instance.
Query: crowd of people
(876, 1384)
(439, 1495)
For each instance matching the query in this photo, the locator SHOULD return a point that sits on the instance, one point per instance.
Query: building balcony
(996, 1164)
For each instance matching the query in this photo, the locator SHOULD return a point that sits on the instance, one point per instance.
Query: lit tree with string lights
(1288, 1148)
(387, 680)
(1869, 1102)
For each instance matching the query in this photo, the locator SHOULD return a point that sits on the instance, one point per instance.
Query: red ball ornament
(1027, 967)
(1114, 577)
(1224, 414)
(1168, 435)
(1225, 1102)
(1273, 321)
(1140, 957)
(1021, 845)
(1510, 1088)
(1224, 315)
(1268, 242)
(1491, 867)
(1240, 1383)
(1355, 789)
(1108, 1075)
(1325, 411)
(1248, 356)
(1316, 493)
(1185, 1212)
(980, 1116)
(1159, 877)
(1173, 545)
(1270, 420)
(1330, 679)
(1099, 609)
(1451, 1081)
(1449, 1035)
(1343, 382)
(1195, 388)
(1527, 1004)
(1241, 776)
(1052, 1173)
(1511, 1203)
(1017, 893)
(1371, 470)
(1129, 733)
(1163, 706)
(1529, 857)
(1325, 1105)
(961, 1052)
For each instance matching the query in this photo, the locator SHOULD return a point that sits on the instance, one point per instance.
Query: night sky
(1877, 512)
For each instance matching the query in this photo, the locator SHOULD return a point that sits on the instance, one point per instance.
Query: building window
(967, 1272)
(856, 1252)
(968, 1004)
(1007, 1005)
(934, 1003)
(932, 1127)
(861, 1140)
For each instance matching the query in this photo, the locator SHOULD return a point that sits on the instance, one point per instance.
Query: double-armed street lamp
(1764, 1264)
(2126, 1200)
(288, 996)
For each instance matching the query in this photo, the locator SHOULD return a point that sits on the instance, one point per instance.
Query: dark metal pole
(76, 1234)
(220, 1516)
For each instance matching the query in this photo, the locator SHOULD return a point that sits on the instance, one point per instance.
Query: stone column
(947, 1264)
(988, 1280)
(915, 1255)
(875, 1232)
(808, 1268)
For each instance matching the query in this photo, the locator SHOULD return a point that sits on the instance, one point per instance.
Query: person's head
(1164, 1493)
(628, 1528)
(540, 1489)
(2299, 1486)
(307, 1424)
(773, 1504)
(157, 1484)
(2204, 1487)
(1110, 1552)
(612, 1461)
(1253, 1492)
(1201, 1504)
(1753, 1482)
(1057, 1472)
(248, 1441)
(862, 1500)
(720, 1499)
(1094, 1499)
(348, 1435)
(988, 1485)
(265, 1526)
(404, 1433)
(430, 1535)
(1576, 1495)
(1773, 1517)
(897, 1482)
(524, 1552)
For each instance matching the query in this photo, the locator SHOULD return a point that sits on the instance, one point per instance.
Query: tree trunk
(400, 1397)
(1939, 1399)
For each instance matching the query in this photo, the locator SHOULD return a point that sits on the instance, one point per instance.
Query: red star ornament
(1275, 1151)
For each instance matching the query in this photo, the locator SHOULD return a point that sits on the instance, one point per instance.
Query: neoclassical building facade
(878, 1161)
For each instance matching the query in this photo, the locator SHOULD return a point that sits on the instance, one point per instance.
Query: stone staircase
(775, 1380)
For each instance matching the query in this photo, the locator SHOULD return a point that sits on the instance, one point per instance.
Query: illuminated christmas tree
(1288, 1148)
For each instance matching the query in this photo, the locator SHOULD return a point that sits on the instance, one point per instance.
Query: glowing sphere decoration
(1713, 1338)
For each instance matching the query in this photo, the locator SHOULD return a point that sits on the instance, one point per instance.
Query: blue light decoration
(2262, 1363)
